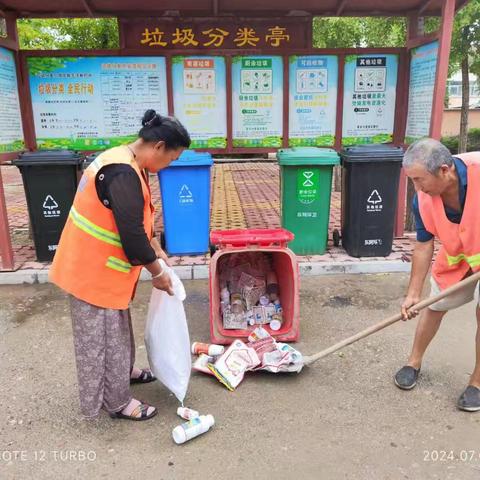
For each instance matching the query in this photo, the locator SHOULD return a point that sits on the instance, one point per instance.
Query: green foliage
(357, 32)
(473, 143)
(35, 34)
(68, 33)
(38, 65)
(466, 38)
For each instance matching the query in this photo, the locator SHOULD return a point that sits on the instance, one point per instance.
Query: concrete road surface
(343, 418)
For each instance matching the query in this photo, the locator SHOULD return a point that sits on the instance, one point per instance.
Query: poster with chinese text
(94, 103)
(11, 132)
(313, 100)
(369, 98)
(423, 68)
(200, 101)
(257, 104)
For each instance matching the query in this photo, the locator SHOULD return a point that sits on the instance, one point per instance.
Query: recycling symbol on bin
(50, 207)
(50, 203)
(185, 195)
(374, 202)
(374, 197)
(308, 182)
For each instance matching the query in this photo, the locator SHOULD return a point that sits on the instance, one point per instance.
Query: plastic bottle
(225, 295)
(187, 413)
(195, 427)
(237, 303)
(211, 350)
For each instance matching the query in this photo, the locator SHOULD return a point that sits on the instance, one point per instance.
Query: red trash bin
(284, 262)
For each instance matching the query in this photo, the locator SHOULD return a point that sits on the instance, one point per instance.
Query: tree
(346, 32)
(34, 34)
(68, 33)
(464, 55)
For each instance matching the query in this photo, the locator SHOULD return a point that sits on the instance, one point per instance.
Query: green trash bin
(305, 185)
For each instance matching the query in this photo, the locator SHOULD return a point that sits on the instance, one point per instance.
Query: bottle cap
(179, 435)
(264, 300)
(210, 420)
(215, 350)
(275, 325)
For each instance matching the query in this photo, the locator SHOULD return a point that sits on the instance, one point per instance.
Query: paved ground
(340, 419)
(244, 195)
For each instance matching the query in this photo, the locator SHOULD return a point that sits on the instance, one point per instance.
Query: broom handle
(390, 320)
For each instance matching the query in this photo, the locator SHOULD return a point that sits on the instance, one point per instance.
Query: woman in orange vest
(444, 208)
(107, 239)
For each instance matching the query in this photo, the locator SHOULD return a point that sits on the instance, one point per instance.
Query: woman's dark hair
(168, 129)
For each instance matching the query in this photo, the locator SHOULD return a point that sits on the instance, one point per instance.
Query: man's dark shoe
(470, 399)
(406, 377)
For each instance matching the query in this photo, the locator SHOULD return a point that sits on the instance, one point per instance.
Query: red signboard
(199, 33)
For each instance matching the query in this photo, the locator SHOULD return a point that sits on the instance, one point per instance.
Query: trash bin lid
(307, 156)
(48, 157)
(372, 153)
(90, 158)
(191, 158)
(247, 237)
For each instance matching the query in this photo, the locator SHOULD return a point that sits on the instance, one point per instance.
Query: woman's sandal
(145, 377)
(139, 413)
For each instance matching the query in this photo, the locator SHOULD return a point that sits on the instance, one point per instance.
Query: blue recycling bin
(185, 189)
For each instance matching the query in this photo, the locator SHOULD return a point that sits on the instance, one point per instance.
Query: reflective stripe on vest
(118, 264)
(90, 228)
(473, 260)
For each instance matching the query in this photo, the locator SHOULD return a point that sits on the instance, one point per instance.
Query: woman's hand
(154, 243)
(160, 277)
(163, 282)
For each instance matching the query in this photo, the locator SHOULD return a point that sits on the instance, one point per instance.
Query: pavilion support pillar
(445, 40)
(6, 250)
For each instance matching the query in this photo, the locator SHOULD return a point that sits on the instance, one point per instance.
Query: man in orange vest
(444, 208)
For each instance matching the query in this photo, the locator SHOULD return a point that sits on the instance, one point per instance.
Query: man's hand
(410, 301)
(163, 282)
(421, 261)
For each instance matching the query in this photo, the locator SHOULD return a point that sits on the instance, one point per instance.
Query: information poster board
(94, 103)
(423, 68)
(11, 132)
(369, 98)
(257, 103)
(200, 101)
(312, 100)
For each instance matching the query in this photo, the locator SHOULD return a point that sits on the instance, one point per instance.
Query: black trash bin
(370, 177)
(89, 159)
(50, 179)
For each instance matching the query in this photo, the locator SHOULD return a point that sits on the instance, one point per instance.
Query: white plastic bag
(167, 339)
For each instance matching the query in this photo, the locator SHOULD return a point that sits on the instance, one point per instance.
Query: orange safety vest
(90, 263)
(460, 250)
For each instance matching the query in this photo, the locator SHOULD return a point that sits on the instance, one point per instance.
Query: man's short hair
(429, 153)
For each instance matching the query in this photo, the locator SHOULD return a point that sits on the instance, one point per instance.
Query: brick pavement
(244, 195)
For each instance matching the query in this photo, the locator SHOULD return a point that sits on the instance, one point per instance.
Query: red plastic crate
(285, 264)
